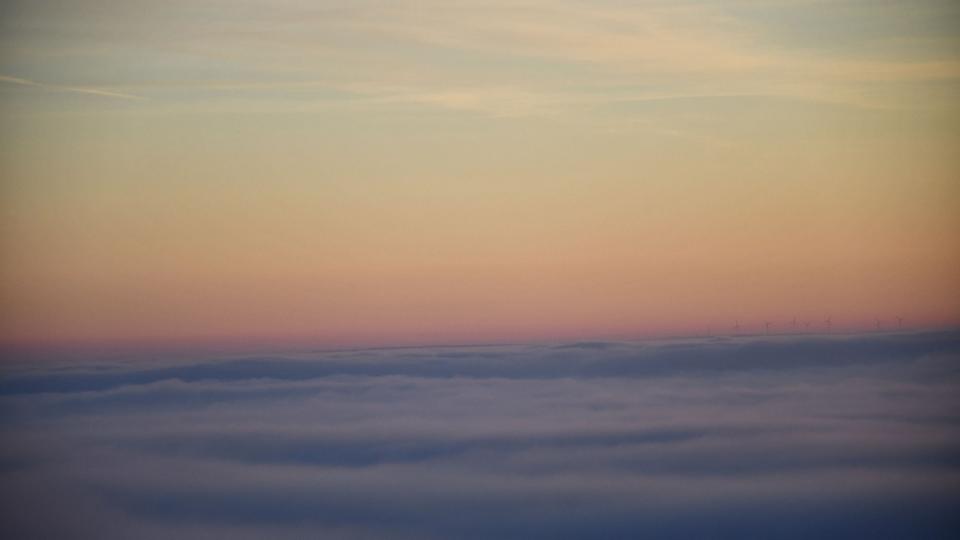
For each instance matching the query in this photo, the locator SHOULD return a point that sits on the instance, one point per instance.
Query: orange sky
(367, 177)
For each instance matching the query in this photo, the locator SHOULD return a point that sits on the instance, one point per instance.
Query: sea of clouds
(852, 436)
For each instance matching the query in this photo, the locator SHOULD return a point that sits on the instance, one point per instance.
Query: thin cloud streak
(69, 88)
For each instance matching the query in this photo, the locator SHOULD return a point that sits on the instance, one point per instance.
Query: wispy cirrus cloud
(70, 88)
(498, 58)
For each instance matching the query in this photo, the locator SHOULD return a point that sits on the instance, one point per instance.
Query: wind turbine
(899, 322)
(766, 326)
(829, 323)
(736, 327)
(878, 325)
(794, 323)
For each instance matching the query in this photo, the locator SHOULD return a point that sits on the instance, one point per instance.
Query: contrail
(64, 88)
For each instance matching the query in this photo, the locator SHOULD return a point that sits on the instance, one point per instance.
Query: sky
(364, 172)
(779, 437)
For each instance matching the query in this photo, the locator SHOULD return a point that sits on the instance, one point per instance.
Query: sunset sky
(356, 172)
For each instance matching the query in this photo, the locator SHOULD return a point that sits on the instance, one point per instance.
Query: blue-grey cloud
(766, 437)
(664, 359)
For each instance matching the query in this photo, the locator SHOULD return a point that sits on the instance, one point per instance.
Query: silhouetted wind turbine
(736, 327)
(829, 323)
(899, 323)
(878, 325)
(794, 323)
(766, 326)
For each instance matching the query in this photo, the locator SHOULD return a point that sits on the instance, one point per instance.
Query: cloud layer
(521, 55)
(780, 437)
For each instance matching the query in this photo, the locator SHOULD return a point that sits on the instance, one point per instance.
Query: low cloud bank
(780, 437)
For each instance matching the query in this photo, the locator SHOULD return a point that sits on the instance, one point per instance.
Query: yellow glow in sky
(363, 172)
